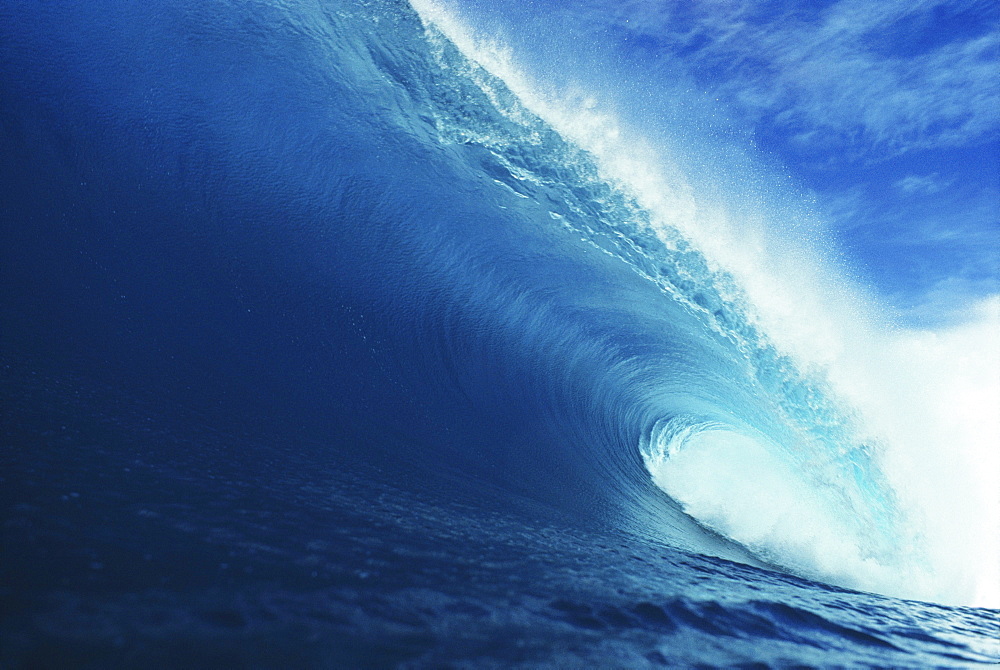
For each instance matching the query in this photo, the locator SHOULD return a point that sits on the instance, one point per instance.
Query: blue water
(320, 348)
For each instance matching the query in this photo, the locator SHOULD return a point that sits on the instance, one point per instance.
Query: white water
(740, 486)
(930, 399)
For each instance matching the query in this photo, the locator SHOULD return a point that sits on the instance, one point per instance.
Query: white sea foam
(931, 399)
(739, 485)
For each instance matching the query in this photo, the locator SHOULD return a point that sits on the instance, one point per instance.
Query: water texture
(324, 345)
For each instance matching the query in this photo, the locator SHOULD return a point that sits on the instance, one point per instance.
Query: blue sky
(888, 110)
(885, 113)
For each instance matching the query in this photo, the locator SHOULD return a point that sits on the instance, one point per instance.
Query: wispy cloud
(894, 76)
(922, 184)
(932, 247)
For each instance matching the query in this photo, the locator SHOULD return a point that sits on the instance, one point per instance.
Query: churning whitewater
(344, 335)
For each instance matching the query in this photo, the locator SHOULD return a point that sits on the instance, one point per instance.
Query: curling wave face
(814, 500)
(355, 232)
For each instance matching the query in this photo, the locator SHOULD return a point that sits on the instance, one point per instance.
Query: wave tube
(854, 465)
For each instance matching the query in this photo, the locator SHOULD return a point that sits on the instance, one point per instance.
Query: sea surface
(323, 344)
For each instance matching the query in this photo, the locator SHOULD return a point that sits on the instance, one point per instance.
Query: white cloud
(855, 74)
(926, 184)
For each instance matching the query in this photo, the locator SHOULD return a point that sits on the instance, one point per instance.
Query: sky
(884, 115)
